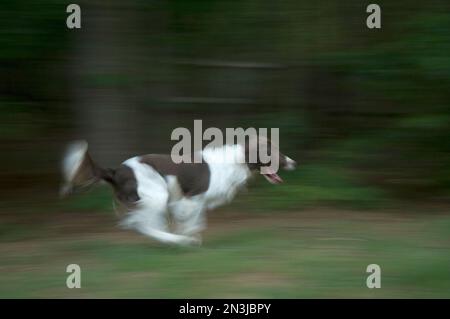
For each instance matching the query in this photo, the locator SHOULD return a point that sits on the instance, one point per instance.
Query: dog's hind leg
(150, 214)
(189, 215)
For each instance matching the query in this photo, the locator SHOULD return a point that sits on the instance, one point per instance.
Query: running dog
(153, 187)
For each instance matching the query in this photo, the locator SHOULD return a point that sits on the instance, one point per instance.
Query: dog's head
(264, 155)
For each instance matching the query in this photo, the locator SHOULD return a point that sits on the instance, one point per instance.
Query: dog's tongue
(273, 178)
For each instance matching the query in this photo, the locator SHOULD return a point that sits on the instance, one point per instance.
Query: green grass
(298, 255)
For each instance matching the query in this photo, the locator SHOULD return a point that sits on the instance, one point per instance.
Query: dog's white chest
(228, 174)
(225, 182)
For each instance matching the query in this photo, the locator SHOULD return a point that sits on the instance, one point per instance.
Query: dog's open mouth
(273, 178)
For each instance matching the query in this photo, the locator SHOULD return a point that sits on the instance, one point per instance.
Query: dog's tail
(79, 170)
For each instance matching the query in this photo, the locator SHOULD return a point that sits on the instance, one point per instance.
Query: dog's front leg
(167, 237)
(150, 220)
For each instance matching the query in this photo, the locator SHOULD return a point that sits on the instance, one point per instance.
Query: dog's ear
(251, 151)
(253, 146)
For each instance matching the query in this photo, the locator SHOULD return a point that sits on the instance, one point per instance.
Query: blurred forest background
(365, 112)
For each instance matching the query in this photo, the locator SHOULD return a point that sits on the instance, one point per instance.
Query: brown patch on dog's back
(192, 177)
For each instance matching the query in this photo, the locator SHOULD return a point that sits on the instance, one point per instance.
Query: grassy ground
(277, 255)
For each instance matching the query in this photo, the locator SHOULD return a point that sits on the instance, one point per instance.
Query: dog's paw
(192, 241)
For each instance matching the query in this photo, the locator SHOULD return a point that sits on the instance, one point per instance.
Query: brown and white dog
(152, 187)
